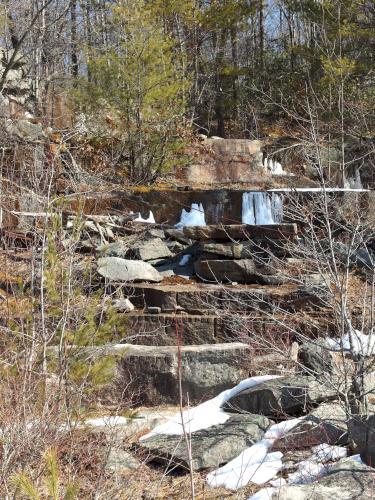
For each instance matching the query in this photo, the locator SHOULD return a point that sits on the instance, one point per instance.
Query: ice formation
(194, 217)
(354, 182)
(259, 207)
(151, 218)
(273, 167)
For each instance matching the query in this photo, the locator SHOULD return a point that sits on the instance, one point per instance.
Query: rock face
(231, 160)
(287, 395)
(210, 447)
(206, 371)
(345, 481)
(362, 433)
(226, 270)
(117, 269)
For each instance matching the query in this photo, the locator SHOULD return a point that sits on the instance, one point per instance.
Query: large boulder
(117, 269)
(362, 434)
(346, 480)
(286, 395)
(153, 372)
(210, 447)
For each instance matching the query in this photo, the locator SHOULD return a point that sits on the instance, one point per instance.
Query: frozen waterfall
(262, 208)
(194, 217)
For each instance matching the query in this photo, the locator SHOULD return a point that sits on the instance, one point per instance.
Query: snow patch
(207, 414)
(362, 344)
(254, 464)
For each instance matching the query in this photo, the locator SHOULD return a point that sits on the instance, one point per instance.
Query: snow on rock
(328, 453)
(207, 414)
(317, 465)
(194, 217)
(307, 471)
(362, 344)
(150, 219)
(263, 494)
(255, 464)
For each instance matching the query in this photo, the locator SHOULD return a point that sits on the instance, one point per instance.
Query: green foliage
(142, 85)
(29, 489)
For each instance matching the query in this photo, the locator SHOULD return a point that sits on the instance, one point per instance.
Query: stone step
(197, 298)
(162, 329)
(242, 232)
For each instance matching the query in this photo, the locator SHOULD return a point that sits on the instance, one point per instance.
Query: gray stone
(232, 250)
(346, 480)
(316, 358)
(117, 269)
(178, 235)
(362, 434)
(155, 233)
(286, 395)
(154, 248)
(153, 372)
(25, 130)
(123, 305)
(226, 270)
(210, 447)
(120, 460)
(325, 424)
(116, 249)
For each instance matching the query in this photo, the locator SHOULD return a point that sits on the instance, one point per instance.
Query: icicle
(261, 208)
(151, 218)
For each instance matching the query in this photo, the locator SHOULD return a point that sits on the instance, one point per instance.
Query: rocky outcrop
(283, 396)
(219, 161)
(210, 447)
